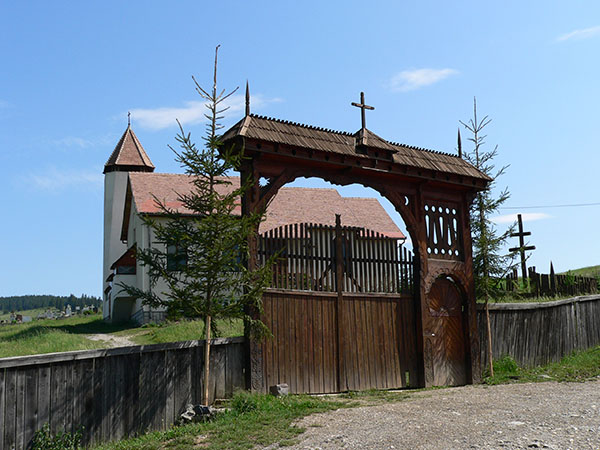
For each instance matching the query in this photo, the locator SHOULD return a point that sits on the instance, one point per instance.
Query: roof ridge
(302, 125)
(423, 149)
(138, 144)
(347, 133)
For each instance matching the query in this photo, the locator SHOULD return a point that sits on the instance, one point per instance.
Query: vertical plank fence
(539, 333)
(111, 394)
(306, 259)
(550, 284)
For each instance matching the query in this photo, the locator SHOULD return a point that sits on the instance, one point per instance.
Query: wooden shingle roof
(129, 155)
(321, 139)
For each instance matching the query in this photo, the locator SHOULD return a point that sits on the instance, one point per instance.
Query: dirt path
(111, 340)
(516, 416)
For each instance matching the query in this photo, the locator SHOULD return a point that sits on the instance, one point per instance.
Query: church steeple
(129, 155)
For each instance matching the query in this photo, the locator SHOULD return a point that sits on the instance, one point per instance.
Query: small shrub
(43, 440)
(243, 402)
(505, 369)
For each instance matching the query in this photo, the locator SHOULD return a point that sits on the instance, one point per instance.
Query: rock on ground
(545, 415)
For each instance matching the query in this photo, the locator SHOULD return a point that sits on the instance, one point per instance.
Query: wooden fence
(551, 284)
(307, 254)
(111, 394)
(539, 333)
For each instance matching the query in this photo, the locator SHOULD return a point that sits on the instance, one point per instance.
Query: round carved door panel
(448, 354)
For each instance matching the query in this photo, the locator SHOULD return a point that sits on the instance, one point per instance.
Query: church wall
(115, 186)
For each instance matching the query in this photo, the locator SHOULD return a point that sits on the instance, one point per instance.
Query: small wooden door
(447, 334)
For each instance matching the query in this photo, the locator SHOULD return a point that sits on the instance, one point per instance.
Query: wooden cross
(522, 248)
(362, 107)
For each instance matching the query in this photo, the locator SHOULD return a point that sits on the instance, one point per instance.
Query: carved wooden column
(250, 203)
(475, 349)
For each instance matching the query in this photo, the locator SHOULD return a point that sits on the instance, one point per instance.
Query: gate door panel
(447, 334)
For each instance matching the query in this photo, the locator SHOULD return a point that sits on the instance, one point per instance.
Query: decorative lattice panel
(444, 240)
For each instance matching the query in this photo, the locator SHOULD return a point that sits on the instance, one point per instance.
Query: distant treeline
(25, 302)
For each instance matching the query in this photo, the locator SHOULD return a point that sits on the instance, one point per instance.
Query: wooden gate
(341, 310)
(447, 334)
(368, 343)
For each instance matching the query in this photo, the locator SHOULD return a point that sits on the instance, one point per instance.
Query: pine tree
(489, 264)
(201, 258)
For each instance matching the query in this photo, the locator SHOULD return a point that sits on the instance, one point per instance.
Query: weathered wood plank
(10, 401)
(31, 403)
(20, 419)
(44, 386)
(99, 395)
(57, 399)
(2, 405)
(87, 400)
(169, 375)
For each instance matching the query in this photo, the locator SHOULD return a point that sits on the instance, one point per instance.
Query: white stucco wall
(115, 186)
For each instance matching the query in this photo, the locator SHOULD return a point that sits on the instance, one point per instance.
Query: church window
(176, 258)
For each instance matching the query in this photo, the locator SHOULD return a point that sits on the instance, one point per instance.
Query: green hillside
(591, 271)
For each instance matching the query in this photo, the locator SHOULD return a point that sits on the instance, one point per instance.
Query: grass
(252, 420)
(374, 396)
(590, 271)
(186, 330)
(48, 335)
(69, 334)
(579, 366)
(522, 299)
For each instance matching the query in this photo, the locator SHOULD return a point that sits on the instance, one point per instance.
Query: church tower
(128, 156)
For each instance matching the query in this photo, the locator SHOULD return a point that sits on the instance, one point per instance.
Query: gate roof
(363, 144)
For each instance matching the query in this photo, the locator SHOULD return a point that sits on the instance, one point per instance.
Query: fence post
(339, 281)
(552, 280)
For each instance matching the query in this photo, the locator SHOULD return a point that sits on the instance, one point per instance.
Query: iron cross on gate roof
(362, 107)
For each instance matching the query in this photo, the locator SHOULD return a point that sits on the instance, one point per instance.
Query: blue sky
(72, 70)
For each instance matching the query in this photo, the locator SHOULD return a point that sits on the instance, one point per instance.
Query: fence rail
(306, 256)
(111, 393)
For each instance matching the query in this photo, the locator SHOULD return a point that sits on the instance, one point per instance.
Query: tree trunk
(206, 360)
(489, 338)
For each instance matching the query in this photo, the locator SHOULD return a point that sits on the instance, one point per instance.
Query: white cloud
(409, 80)
(527, 217)
(583, 33)
(54, 179)
(73, 141)
(191, 113)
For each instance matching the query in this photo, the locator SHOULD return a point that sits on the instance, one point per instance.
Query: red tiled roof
(129, 155)
(310, 205)
(290, 205)
(167, 187)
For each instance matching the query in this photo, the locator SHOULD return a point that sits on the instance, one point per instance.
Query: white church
(130, 188)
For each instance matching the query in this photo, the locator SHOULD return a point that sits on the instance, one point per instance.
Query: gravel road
(513, 416)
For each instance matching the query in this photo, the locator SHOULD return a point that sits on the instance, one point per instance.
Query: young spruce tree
(489, 264)
(200, 257)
